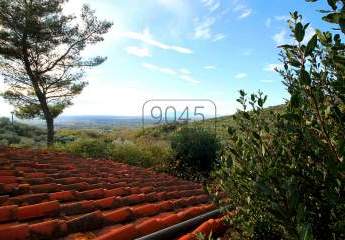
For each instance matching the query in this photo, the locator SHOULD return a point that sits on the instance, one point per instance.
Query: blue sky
(195, 49)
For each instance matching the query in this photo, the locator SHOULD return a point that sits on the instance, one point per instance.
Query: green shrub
(196, 152)
(284, 172)
(4, 122)
(4, 142)
(10, 137)
(141, 153)
(91, 148)
(27, 142)
(20, 134)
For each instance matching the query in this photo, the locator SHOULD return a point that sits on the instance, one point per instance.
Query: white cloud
(180, 8)
(189, 79)
(139, 52)
(210, 67)
(148, 39)
(164, 70)
(280, 37)
(218, 37)
(183, 74)
(171, 4)
(185, 71)
(282, 18)
(271, 67)
(211, 5)
(91, 101)
(215, 7)
(242, 9)
(246, 13)
(241, 75)
(203, 29)
(268, 22)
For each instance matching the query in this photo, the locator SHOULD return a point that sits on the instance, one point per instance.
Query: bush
(91, 148)
(4, 122)
(285, 172)
(4, 142)
(143, 154)
(196, 152)
(20, 135)
(10, 137)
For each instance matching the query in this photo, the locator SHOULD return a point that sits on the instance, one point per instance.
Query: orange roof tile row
(46, 195)
(212, 226)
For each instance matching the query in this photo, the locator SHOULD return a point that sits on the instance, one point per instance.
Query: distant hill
(97, 121)
(90, 122)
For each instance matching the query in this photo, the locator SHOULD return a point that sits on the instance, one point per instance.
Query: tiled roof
(46, 195)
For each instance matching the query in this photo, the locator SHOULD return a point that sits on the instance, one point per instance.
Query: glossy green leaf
(334, 17)
(311, 46)
(299, 32)
(305, 77)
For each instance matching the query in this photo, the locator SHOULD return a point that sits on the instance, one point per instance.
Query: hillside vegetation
(20, 134)
(149, 147)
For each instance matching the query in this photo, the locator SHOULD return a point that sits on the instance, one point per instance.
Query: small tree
(40, 56)
(196, 152)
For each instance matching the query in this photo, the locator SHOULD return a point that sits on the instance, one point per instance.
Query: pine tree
(40, 56)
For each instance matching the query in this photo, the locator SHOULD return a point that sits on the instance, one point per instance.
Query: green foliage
(284, 172)
(20, 135)
(336, 14)
(120, 145)
(91, 148)
(196, 152)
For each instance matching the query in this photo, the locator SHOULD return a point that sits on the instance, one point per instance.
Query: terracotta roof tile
(63, 196)
(170, 220)
(148, 226)
(126, 232)
(15, 232)
(48, 229)
(8, 213)
(214, 226)
(46, 209)
(46, 195)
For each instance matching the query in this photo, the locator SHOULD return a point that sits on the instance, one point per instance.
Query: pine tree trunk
(47, 115)
(50, 131)
(49, 119)
(39, 93)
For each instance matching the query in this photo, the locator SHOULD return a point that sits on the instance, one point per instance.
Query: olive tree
(283, 171)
